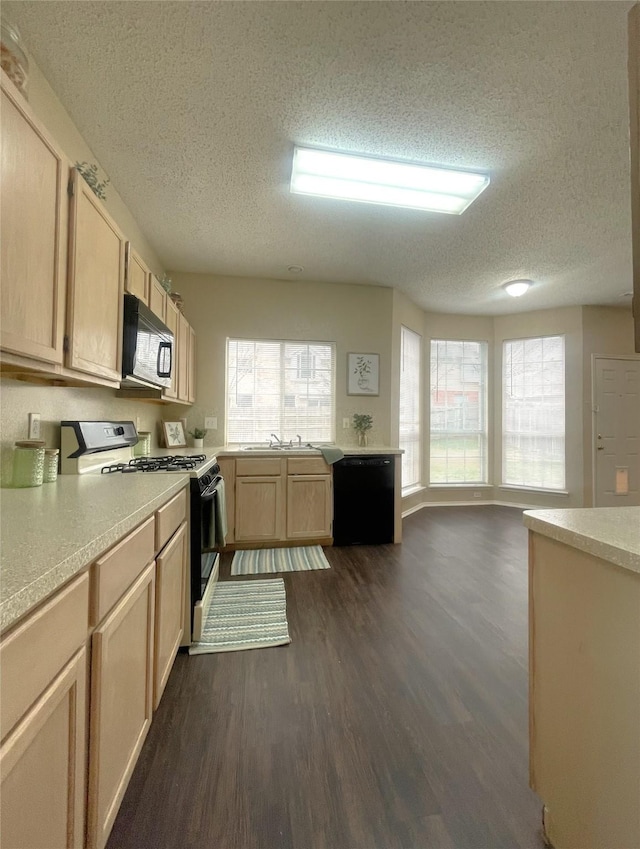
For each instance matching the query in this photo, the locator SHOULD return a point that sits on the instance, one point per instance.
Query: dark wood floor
(395, 719)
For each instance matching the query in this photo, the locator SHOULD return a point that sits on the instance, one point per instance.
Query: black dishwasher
(363, 500)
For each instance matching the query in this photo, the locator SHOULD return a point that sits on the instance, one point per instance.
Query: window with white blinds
(410, 425)
(286, 388)
(533, 420)
(458, 440)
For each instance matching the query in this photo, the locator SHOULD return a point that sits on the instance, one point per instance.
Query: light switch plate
(345, 423)
(211, 422)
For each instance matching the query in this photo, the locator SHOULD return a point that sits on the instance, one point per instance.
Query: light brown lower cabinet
(121, 701)
(69, 744)
(259, 508)
(170, 591)
(43, 767)
(278, 499)
(309, 506)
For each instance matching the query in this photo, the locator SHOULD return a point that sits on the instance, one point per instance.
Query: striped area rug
(245, 615)
(265, 561)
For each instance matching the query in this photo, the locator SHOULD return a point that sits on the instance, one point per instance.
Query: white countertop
(611, 533)
(51, 532)
(348, 451)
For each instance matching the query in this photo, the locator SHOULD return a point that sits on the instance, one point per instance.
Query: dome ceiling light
(517, 288)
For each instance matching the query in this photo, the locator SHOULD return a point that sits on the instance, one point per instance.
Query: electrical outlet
(346, 423)
(34, 425)
(477, 495)
(211, 422)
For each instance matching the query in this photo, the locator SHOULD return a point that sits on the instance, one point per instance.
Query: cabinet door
(96, 285)
(191, 378)
(308, 506)
(136, 280)
(42, 767)
(171, 320)
(183, 358)
(34, 214)
(157, 298)
(121, 701)
(171, 566)
(258, 509)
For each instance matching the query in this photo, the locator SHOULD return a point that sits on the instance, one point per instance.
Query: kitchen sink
(278, 448)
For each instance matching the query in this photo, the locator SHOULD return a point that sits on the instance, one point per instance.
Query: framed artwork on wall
(174, 435)
(363, 374)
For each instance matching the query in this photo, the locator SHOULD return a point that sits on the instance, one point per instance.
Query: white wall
(356, 318)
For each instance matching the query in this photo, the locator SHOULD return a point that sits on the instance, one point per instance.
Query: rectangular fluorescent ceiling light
(330, 174)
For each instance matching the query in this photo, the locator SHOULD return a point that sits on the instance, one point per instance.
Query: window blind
(533, 412)
(286, 388)
(458, 439)
(410, 420)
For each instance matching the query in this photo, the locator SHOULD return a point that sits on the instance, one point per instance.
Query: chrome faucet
(279, 441)
(299, 438)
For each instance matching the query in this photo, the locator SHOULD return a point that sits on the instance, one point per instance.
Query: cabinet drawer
(33, 654)
(169, 518)
(307, 466)
(258, 466)
(117, 570)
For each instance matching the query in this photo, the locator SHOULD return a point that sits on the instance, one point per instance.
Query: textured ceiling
(193, 109)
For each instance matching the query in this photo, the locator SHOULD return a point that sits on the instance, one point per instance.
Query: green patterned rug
(267, 561)
(245, 615)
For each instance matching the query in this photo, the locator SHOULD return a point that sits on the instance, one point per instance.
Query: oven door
(204, 558)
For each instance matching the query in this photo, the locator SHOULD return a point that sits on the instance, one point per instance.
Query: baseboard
(474, 503)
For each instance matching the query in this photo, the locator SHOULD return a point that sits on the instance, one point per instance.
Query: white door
(616, 432)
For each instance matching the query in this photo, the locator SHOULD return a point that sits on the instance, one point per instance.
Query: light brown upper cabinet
(34, 210)
(136, 280)
(157, 298)
(96, 285)
(184, 339)
(191, 376)
(634, 112)
(171, 320)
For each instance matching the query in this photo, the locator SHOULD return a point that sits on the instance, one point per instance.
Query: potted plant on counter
(198, 434)
(362, 422)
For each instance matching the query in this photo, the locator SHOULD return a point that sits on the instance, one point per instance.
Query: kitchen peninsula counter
(50, 533)
(611, 533)
(584, 673)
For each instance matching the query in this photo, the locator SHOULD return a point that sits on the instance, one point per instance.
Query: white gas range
(106, 448)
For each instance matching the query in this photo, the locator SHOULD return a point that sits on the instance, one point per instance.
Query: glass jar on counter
(28, 463)
(13, 59)
(50, 474)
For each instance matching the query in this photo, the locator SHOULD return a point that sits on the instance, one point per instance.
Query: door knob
(600, 448)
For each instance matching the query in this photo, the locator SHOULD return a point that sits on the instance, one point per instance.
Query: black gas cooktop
(156, 464)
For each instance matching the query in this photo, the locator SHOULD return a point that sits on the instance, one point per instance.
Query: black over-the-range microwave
(147, 347)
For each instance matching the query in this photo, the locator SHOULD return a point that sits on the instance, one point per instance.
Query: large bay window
(533, 417)
(458, 442)
(410, 430)
(286, 388)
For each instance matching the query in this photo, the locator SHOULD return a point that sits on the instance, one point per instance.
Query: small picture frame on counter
(174, 436)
